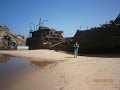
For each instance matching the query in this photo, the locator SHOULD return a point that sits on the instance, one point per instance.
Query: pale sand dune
(82, 73)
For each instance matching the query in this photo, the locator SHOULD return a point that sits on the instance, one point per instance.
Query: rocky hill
(8, 39)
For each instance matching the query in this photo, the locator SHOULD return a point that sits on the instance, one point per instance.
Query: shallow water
(14, 68)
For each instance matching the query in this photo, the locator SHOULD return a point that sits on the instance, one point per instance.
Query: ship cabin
(44, 38)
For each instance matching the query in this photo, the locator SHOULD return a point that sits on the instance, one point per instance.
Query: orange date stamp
(103, 80)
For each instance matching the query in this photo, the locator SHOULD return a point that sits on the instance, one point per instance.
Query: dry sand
(87, 72)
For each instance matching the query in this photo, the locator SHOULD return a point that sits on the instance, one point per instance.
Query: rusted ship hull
(100, 39)
(44, 38)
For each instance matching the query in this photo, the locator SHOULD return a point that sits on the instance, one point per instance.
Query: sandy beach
(63, 72)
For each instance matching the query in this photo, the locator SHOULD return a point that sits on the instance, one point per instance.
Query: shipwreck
(105, 38)
(102, 39)
(44, 38)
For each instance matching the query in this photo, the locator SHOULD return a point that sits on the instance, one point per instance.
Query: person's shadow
(69, 57)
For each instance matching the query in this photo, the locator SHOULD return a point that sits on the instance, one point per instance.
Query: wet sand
(87, 72)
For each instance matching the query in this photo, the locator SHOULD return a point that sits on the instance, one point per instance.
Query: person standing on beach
(76, 47)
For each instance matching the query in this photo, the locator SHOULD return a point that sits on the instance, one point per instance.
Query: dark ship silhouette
(105, 38)
(44, 38)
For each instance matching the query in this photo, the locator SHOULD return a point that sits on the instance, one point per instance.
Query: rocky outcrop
(9, 40)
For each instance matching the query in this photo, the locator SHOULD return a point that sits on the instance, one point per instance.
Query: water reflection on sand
(4, 58)
(41, 63)
(14, 68)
